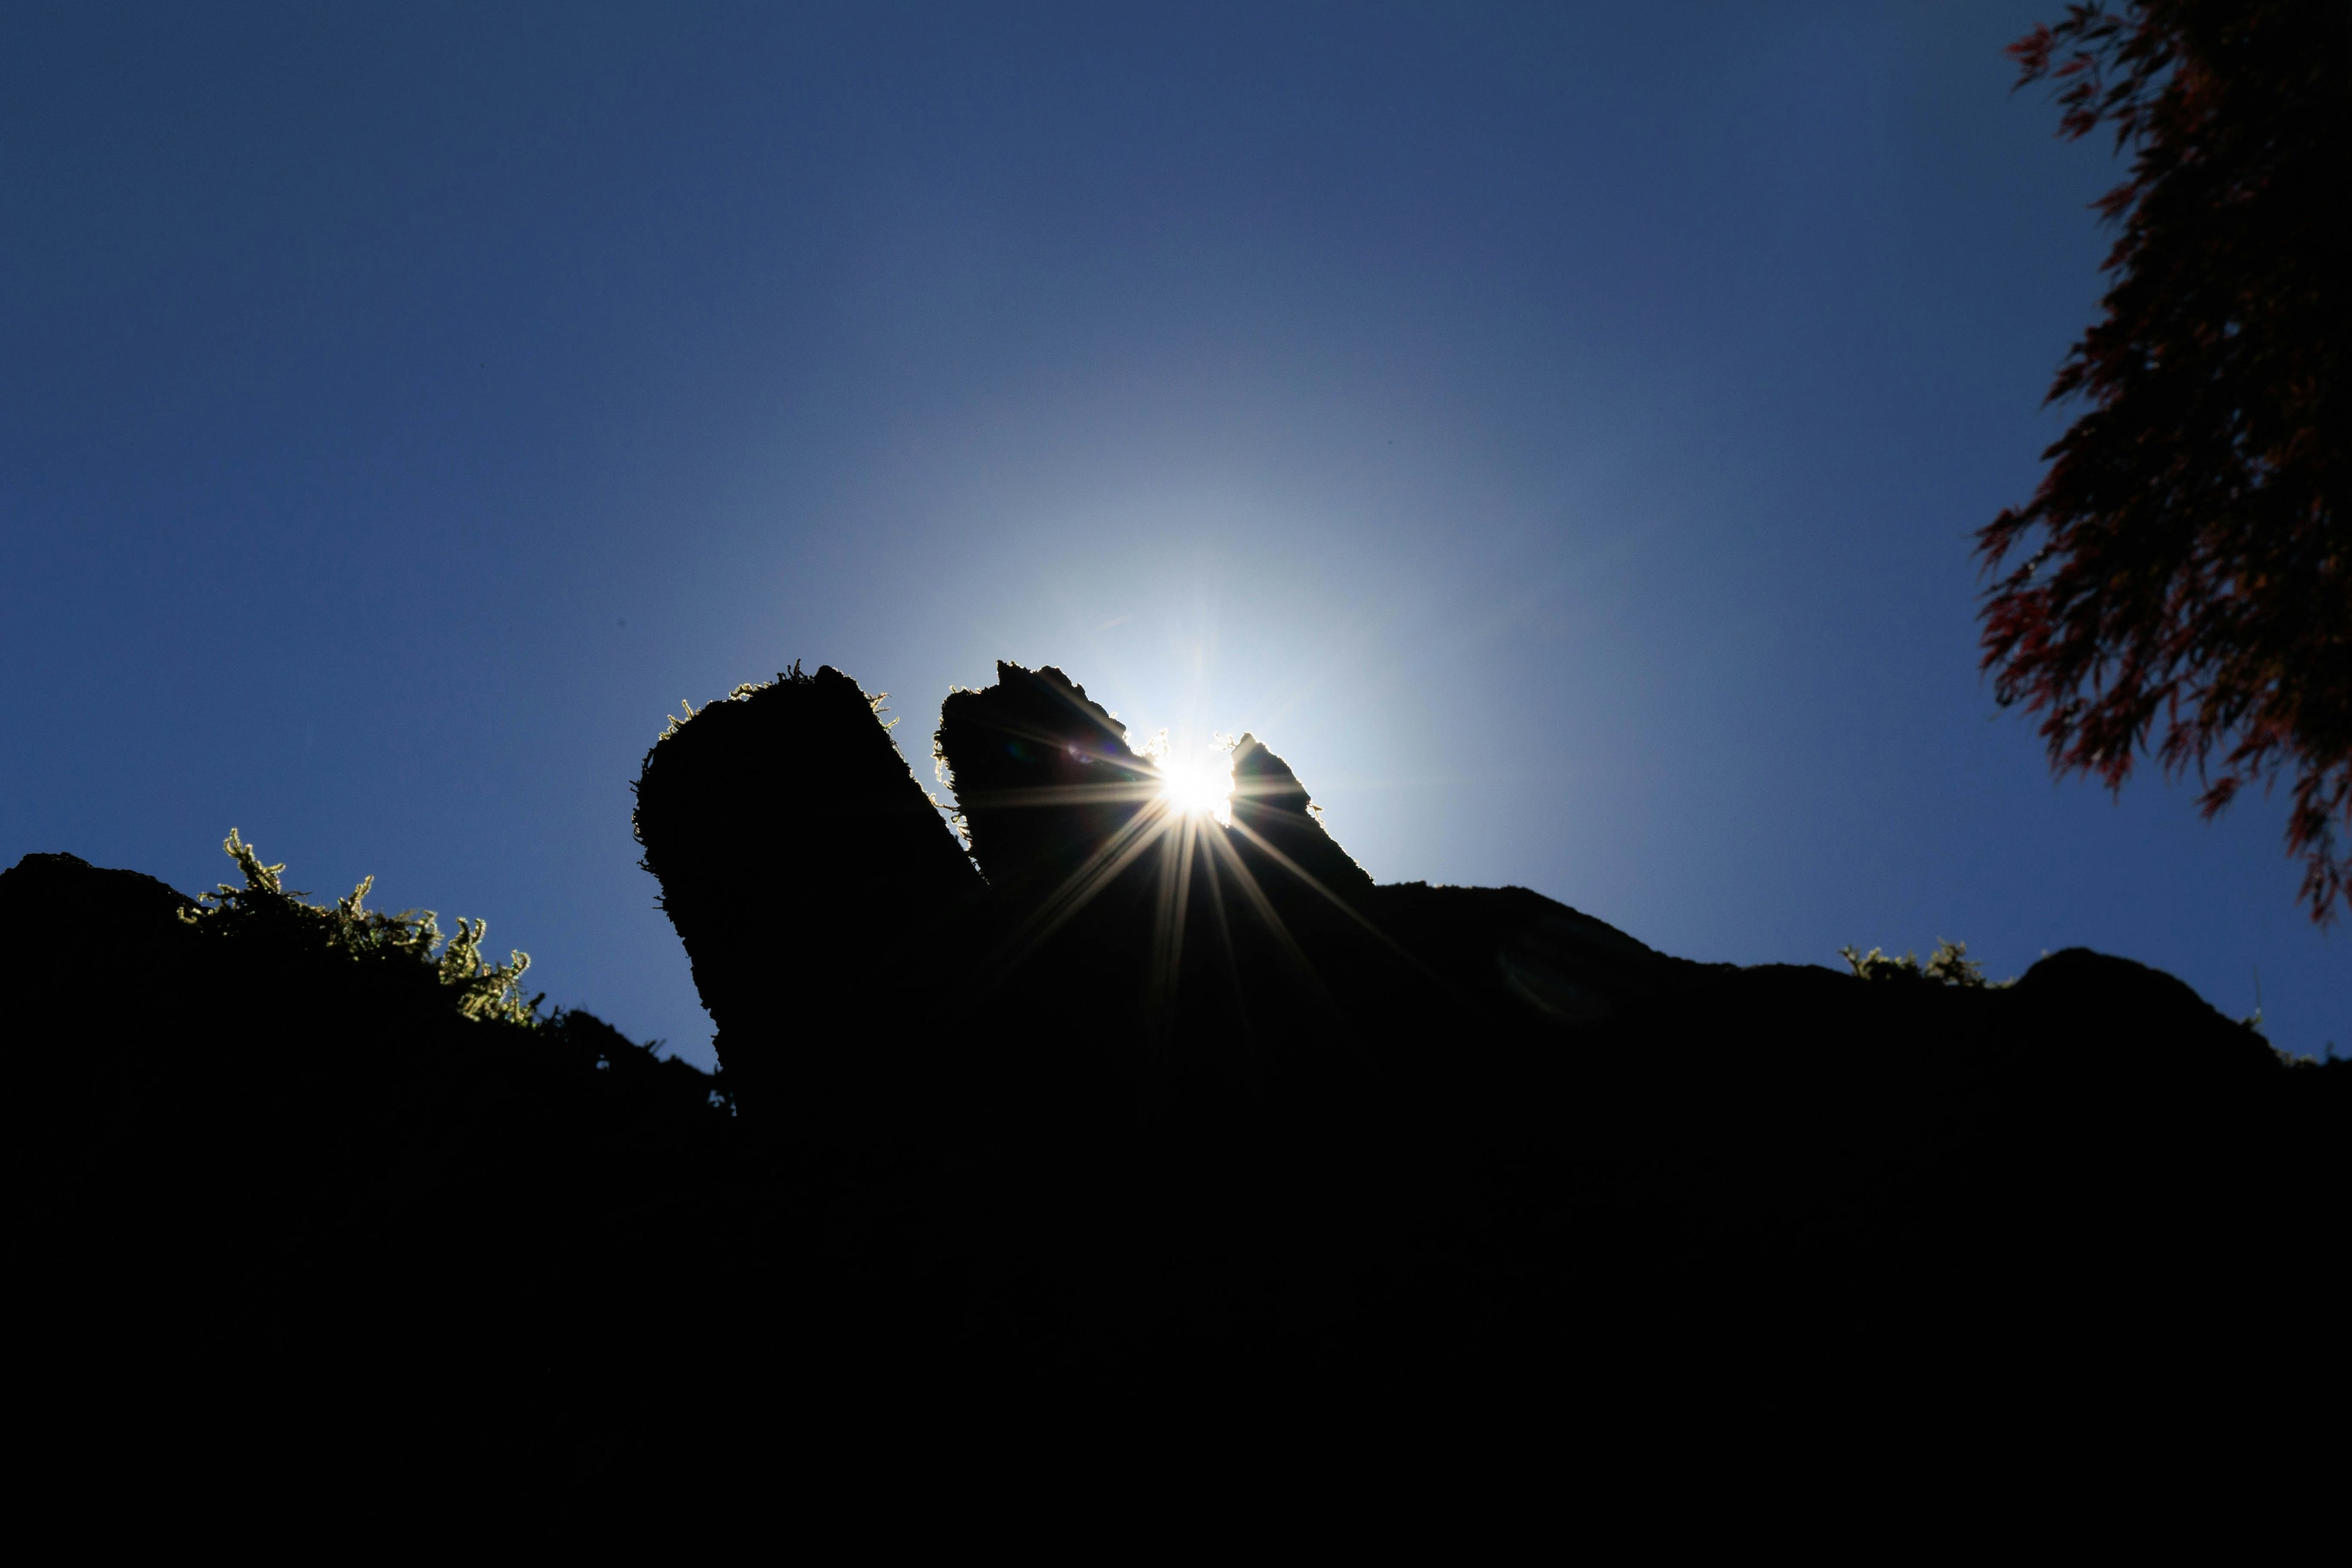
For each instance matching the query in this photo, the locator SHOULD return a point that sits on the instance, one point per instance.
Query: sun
(1197, 782)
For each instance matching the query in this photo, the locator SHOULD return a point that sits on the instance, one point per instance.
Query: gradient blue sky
(1557, 430)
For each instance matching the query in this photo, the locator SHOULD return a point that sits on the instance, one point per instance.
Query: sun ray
(1061, 794)
(1128, 761)
(1109, 859)
(1266, 911)
(1225, 932)
(1169, 911)
(1183, 811)
(1260, 842)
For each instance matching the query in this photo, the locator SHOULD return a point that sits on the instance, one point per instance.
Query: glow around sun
(1195, 781)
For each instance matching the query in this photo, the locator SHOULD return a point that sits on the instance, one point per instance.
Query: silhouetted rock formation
(1171, 1132)
(1271, 809)
(273, 1206)
(814, 887)
(1276, 1076)
(1044, 777)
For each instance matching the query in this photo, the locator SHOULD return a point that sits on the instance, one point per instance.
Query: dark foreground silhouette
(1148, 1133)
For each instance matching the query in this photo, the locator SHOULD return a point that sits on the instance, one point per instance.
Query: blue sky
(1559, 431)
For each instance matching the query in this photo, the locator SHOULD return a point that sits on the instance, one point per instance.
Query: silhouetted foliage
(293, 1162)
(1949, 964)
(2184, 561)
(407, 944)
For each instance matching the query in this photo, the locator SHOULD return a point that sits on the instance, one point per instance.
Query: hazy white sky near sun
(1556, 431)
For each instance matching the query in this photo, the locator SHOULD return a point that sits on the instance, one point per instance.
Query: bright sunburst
(1196, 783)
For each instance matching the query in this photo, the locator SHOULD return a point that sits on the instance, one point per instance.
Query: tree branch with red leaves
(2181, 581)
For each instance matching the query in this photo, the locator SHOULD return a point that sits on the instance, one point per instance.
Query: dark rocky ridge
(1239, 1131)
